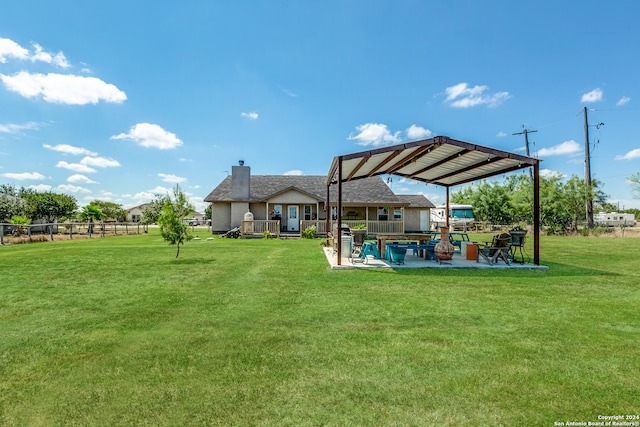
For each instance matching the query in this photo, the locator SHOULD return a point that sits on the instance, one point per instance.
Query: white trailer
(460, 216)
(615, 219)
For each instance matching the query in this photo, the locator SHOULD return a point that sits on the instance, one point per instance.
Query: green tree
(19, 221)
(490, 201)
(110, 210)
(173, 227)
(562, 202)
(90, 214)
(49, 206)
(151, 213)
(11, 203)
(520, 189)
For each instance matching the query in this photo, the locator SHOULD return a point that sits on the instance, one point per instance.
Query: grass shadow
(555, 270)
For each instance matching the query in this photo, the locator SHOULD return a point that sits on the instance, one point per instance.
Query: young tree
(91, 213)
(173, 227)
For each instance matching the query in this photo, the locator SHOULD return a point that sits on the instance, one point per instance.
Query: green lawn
(117, 332)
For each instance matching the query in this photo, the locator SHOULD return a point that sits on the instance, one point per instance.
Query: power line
(526, 133)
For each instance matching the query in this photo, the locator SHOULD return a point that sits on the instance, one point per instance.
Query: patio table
(382, 240)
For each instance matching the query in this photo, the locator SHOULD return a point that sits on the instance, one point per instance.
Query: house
(293, 203)
(135, 213)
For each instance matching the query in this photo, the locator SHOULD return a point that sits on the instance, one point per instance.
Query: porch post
(446, 208)
(366, 217)
(327, 207)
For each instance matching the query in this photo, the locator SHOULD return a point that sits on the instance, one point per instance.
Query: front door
(293, 223)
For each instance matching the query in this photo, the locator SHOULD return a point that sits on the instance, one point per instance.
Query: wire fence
(21, 233)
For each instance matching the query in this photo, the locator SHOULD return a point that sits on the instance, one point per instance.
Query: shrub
(309, 232)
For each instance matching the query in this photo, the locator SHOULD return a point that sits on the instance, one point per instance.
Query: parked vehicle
(615, 219)
(460, 216)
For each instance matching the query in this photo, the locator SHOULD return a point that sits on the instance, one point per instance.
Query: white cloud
(63, 88)
(172, 178)
(296, 172)
(12, 128)
(69, 149)
(76, 167)
(623, 101)
(633, 154)
(501, 134)
(593, 96)
(418, 132)
(548, 173)
(40, 187)
(65, 188)
(57, 59)
(99, 162)
(80, 179)
(290, 93)
(9, 48)
(463, 96)
(251, 116)
(151, 136)
(374, 134)
(23, 176)
(566, 148)
(147, 196)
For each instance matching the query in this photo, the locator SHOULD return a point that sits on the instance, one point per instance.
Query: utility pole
(526, 133)
(587, 170)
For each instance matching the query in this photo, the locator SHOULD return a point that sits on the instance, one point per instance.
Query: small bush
(309, 232)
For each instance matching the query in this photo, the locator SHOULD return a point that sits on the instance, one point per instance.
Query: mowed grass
(118, 332)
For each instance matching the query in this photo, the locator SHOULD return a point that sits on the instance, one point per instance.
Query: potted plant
(359, 233)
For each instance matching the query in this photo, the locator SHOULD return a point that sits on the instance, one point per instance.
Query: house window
(397, 214)
(307, 212)
(383, 214)
(276, 213)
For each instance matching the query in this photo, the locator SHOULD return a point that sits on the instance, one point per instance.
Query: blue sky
(119, 100)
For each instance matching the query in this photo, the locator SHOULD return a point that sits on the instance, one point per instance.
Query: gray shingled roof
(371, 190)
(416, 200)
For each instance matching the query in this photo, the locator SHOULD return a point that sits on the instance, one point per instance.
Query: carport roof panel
(439, 160)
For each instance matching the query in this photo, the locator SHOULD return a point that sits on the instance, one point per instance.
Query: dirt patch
(46, 238)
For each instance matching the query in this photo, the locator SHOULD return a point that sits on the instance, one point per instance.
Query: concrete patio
(413, 261)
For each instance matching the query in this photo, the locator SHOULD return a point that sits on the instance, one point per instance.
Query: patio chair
(497, 250)
(396, 254)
